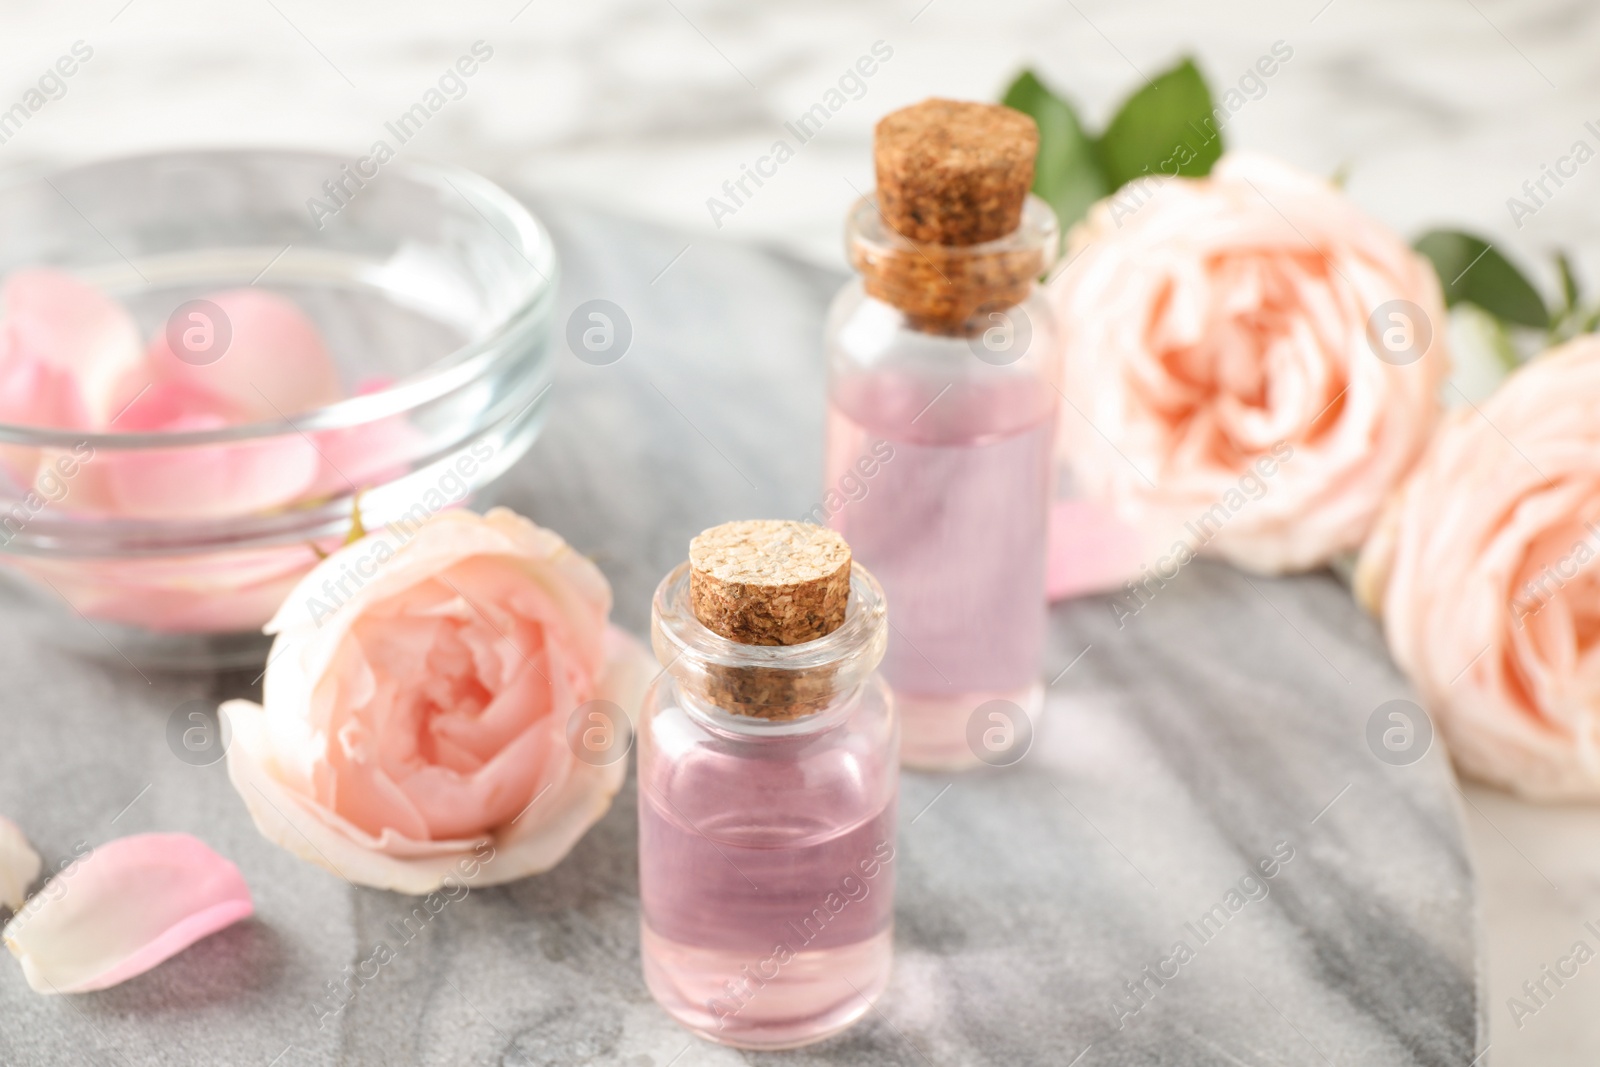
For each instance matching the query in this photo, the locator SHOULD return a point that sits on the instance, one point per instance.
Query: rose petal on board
(19, 865)
(127, 906)
(1090, 549)
(531, 843)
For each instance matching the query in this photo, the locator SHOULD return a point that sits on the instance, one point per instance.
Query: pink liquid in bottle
(766, 878)
(954, 525)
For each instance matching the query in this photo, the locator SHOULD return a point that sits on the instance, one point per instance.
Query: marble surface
(1441, 109)
(1221, 725)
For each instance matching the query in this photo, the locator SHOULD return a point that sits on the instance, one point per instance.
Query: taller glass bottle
(943, 386)
(768, 787)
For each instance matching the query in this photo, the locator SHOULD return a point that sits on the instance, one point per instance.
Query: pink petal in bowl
(275, 364)
(122, 909)
(67, 351)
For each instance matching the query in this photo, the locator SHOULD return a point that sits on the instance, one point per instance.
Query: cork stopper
(950, 235)
(952, 172)
(769, 581)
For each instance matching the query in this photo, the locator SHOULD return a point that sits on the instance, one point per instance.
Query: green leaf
(1471, 270)
(1067, 175)
(1165, 128)
(1569, 282)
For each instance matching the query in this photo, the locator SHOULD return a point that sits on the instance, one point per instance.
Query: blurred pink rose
(417, 705)
(1225, 393)
(1483, 570)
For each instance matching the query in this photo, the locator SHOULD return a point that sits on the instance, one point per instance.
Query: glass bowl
(433, 291)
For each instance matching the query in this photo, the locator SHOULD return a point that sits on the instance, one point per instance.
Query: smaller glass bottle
(768, 786)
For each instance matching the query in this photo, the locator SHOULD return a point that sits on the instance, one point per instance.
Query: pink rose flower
(417, 706)
(1483, 570)
(1225, 393)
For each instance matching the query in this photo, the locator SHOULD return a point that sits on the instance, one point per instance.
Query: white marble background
(1440, 109)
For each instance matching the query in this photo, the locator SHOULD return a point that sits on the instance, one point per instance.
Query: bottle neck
(733, 725)
(770, 683)
(949, 289)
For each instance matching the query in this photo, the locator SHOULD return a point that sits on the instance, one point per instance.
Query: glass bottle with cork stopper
(944, 371)
(768, 787)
